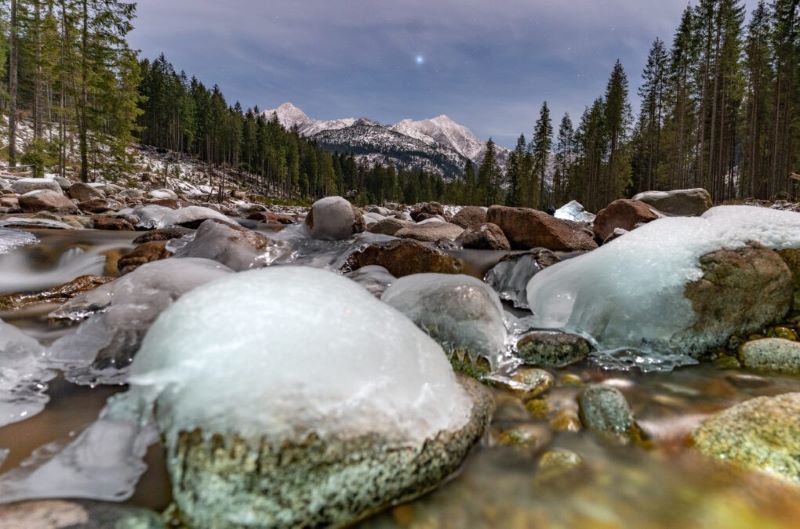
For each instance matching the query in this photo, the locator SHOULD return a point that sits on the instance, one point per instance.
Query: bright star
(420, 60)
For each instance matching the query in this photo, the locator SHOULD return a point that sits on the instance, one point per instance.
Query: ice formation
(284, 351)
(574, 211)
(23, 375)
(119, 314)
(461, 312)
(376, 279)
(629, 293)
(10, 240)
(510, 278)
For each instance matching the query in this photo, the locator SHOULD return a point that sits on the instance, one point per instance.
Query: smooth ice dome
(283, 352)
(460, 312)
(630, 293)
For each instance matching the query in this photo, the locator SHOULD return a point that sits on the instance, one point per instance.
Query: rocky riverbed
(170, 360)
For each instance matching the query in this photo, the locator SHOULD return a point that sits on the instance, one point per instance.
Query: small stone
(526, 382)
(552, 349)
(603, 409)
(570, 379)
(528, 435)
(782, 332)
(556, 463)
(772, 355)
(144, 253)
(566, 420)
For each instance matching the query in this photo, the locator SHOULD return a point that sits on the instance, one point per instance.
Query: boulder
(679, 202)
(427, 210)
(26, 185)
(740, 292)
(404, 257)
(83, 192)
(107, 222)
(270, 217)
(774, 355)
(791, 257)
(470, 217)
(389, 226)
(759, 434)
(431, 232)
(163, 234)
(142, 254)
(236, 247)
(46, 200)
(99, 205)
(623, 213)
(334, 218)
(552, 349)
(158, 194)
(484, 237)
(528, 228)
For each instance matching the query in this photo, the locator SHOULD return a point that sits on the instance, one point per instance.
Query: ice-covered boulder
(376, 279)
(26, 185)
(10, 240)
(462, 313)
(235, 247)
(162, 194)
(333, 219)
(329, 404)
(528, 228)
(678, 202)
(575, 212)
(649, 291)
(23, 375)
(120, 313)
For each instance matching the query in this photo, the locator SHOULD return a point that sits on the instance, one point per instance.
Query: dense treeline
(720, 109)
(70, 70)
(183, 115)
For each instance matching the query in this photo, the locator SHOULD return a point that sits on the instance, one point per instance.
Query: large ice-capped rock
(291, 397)
(460, 312)
(675, 284)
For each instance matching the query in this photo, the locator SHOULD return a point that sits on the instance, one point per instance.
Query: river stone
(99, 205)
(83, 192)
(470, 217)
(224, 482)
(111, 223)
(236, 247)
(163, 234)
(334, 219)
(484, 237)
(142, 254)
(404, 257)
(774, 355)
(431, 232)
(528, 228)
(552, 349)
(760, 434)
(71, 514)
(526, 382)
(26, 185)
(679, 202)
(159, 194)
(624, 214)
(791, 257)
(426, 211)
(389, 226)
(46, 200)
(603, 409)
(741, 292)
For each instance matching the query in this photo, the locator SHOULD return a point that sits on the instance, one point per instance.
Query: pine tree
(518, 174)
(541, 146)
(489, 177)
(565, 160)
(616, 120)
(647, 158)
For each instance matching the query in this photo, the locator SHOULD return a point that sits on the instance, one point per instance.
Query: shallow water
(662, 484)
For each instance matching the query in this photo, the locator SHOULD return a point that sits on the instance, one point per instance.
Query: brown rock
(741, 291)
(528, 228)
(109, 223)
(791, 257)
(99, 205)
(679, 202)
(623, 213)
(60, 294)
(143, 254)
(431, 232)
(270, 217)
(389, 226)
(426, 211)
(484, 237)
(404, 257)
(46, 200)
(83, 192)
(163, 234)
(9, 201)
(470, 217)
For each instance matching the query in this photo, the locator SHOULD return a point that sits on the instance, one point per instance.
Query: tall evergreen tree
(541, 146)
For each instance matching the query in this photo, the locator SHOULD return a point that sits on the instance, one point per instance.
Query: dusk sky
(486, 64)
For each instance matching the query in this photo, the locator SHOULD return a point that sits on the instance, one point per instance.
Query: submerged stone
(775, 355)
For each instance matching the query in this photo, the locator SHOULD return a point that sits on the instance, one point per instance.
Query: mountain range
(439, 144)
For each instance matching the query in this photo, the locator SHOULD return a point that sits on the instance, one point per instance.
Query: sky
(488, 64)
